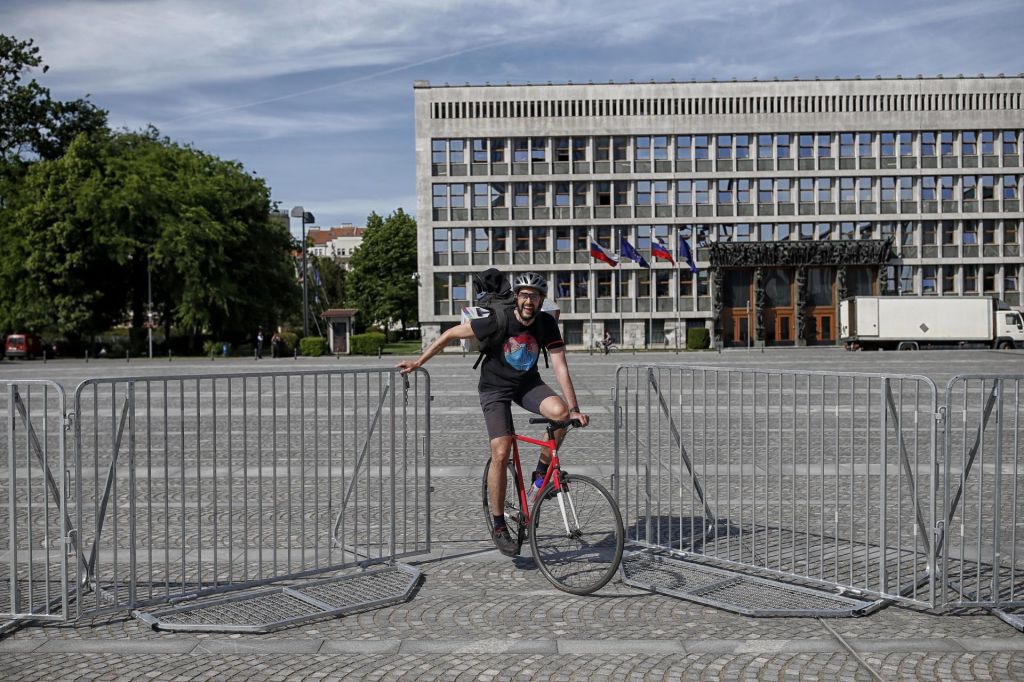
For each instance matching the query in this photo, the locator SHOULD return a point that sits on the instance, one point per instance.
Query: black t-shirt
(513, 364)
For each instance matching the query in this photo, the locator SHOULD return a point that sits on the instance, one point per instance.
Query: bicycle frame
(549, 476)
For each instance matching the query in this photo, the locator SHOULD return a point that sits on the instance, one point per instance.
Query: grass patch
(412, 347)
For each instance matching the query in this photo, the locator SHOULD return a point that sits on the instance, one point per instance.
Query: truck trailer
(916, 322)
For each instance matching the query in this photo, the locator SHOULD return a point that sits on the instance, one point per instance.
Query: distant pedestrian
(259, 343)
(275, 345)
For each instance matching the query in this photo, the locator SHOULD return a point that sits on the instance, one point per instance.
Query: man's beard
(522, 314)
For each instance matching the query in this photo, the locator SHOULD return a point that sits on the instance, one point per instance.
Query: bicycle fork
(573, 531)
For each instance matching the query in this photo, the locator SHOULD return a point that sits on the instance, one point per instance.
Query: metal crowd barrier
(826, 478)
(35, 531)
(184, 486)
(981, 532)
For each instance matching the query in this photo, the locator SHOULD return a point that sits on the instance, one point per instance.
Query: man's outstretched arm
(462, 331)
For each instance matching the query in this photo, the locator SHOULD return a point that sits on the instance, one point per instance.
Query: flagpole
(618, 302)
(590, 292)
(650, 315)
(679, 283)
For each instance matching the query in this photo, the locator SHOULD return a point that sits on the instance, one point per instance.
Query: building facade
(790, 195)
(338, 243)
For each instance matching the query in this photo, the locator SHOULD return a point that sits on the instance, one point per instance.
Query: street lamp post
(307, 218)
(149, 308)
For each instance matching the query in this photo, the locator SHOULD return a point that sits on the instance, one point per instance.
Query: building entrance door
(820, 328)
(736, 327)
(741, 329)
(778, 327)
(821, 306)
(736, 295)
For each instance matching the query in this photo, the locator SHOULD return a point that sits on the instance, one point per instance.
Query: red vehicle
(25, 346)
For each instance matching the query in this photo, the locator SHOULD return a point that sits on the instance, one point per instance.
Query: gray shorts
(497, 406)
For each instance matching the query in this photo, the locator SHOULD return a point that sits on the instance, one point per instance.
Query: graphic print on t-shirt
(521, 351)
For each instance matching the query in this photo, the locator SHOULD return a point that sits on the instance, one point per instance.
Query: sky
(316, 96)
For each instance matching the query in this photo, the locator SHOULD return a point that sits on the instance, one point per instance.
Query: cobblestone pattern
(456, 667)
(475, 665)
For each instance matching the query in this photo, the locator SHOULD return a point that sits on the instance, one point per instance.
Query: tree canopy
(86, 230)
(88, 216)
(32, 124)
(382, 283)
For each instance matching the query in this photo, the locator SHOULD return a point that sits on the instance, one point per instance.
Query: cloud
(250, 125)
(138, 46)
(150, 45)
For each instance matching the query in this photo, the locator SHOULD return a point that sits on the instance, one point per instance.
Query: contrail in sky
(357, 79)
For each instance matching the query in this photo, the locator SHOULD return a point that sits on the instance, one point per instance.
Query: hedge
(698, 339)
(367, 344)
(289, 341)
(313, 346)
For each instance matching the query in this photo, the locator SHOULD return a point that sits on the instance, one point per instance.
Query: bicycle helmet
(530, 280)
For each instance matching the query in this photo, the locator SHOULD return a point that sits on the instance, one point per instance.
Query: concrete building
(335, 242)
(791, 195)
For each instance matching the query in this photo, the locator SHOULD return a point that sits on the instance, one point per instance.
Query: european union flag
(686, 253)
(629, 252)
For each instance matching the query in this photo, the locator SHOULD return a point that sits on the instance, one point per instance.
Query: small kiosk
(339, 328)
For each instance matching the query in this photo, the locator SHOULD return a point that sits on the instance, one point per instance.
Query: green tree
(333, 278)
(86, 229)
(32, 124)
(33, 127)
(382, 282)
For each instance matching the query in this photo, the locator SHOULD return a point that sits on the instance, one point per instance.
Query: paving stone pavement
(480, 616)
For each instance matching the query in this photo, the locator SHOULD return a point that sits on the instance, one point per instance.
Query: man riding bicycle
(509, 374)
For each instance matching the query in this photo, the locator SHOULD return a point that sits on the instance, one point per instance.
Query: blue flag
(629, 252)
(686, 253)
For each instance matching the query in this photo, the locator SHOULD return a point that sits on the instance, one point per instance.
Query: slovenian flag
(629, 252)
(658, 250)
(686, 253)
(600, 254)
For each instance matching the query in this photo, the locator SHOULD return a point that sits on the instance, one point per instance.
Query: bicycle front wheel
(576, 535)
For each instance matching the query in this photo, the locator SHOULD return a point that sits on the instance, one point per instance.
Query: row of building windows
(690, 192)
(703, 106)
(569, 288)
(725, 146)
(569, 239)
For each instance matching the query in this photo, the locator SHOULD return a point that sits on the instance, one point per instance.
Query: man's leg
(497, 478)
(497, 409)
(541, 399)
(553, 407)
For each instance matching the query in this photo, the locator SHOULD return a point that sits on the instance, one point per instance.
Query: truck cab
(1009, 329)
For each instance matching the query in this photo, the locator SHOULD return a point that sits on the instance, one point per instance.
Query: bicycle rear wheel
(514, 517)
(577, 535)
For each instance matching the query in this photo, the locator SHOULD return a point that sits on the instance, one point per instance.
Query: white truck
(914, 322)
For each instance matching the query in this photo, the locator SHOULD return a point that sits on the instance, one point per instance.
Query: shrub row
(369, 343)
(698, 339)
(313, 346)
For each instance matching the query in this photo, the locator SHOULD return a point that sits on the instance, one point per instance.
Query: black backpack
(492, 292)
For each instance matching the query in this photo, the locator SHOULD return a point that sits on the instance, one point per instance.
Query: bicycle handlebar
(555, 423)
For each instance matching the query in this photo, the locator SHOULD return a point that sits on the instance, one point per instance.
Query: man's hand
(406, 366)
(584, 418)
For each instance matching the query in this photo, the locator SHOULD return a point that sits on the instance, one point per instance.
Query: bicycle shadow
(525, 563)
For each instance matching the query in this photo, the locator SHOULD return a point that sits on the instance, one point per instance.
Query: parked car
(24, 346)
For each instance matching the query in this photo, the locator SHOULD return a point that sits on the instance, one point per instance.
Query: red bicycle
(574, 526)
